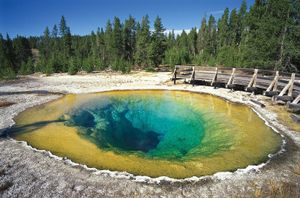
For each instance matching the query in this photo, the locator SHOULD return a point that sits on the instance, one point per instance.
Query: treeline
(265, 36)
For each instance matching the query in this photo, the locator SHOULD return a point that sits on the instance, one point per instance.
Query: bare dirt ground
(27, 172)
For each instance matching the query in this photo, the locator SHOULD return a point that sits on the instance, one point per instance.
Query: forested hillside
(266, 35)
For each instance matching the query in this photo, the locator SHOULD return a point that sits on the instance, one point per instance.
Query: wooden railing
(283, 87)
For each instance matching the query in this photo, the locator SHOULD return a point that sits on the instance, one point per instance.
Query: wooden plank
(296, 101)
(192, 79)
(175, 73)
(231, 77)
(275, 87)
(215, 77)
(252, 82)
(287, 87)
(268, 80)
(274, 83)
(292, 85)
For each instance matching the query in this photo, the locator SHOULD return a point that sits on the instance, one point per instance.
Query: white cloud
(216, 12)
(177, 32)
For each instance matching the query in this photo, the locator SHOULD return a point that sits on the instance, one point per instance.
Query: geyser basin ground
(154, 133)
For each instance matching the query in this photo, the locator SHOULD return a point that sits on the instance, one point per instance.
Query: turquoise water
(148, 132)
(145, 125)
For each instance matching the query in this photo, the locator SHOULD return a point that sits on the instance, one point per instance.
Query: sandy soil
(27, 172)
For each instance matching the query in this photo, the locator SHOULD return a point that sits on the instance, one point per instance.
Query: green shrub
(27, 68)
(7, 73)
(150, 69)
(73, 68)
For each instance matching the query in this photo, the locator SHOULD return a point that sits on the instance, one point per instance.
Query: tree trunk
(282, 42)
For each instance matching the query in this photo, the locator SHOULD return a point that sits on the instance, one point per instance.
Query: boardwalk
(283, 87)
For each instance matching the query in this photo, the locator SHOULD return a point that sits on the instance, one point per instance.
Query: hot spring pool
(149, 132)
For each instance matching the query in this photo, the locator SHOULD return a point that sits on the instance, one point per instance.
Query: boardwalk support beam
(214, 78)
(289, 87)
(272, 89)
(230, 81)
(192, 79)
(252, 84)
(294, 106)
(174, 75)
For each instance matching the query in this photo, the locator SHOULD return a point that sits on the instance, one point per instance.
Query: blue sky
(30, 17)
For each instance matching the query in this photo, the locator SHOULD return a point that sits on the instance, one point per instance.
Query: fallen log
(258, 103)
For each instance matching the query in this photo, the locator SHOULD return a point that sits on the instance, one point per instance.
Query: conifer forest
(265, 35)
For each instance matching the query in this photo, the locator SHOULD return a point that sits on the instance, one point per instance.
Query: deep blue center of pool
(140, 124)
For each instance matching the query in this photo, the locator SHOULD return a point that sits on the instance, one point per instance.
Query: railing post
(274, 83)
(290, 92)
(231, 78)
(252, 82)
(288, 86)
(296, 99)
(215, 77)
(192, 80)
(175, 74)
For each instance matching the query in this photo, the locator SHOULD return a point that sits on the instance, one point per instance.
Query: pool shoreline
(147, 179)
(237, 97)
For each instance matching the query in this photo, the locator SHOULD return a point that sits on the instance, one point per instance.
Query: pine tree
(158, 43)
(223, 29)
(201, 42)
(54, 32)
(66, 37)
(117, 40)
(73, 67)
(101, 49)
(22, 52)
(233, 37)
(143, 43)
(267, 28)
(63, 27)
(291, 41)
(223, 38)
(193, 42)
(241, 21)
(6, 66)
(108, 43)
(211, 37)
(171, 40)
(129, 38)
(10, 54)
